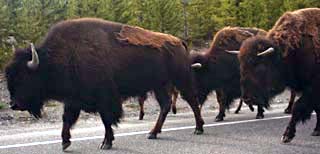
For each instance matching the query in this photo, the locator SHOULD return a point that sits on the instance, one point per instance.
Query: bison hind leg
(110, 110)
(108, 119)
(164, 101)
(141, 101)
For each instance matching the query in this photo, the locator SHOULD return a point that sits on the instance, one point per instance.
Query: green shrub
(3, 105)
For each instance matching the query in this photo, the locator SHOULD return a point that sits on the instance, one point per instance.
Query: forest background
(195, 21)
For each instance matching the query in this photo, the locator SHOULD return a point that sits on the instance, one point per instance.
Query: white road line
(140, 132)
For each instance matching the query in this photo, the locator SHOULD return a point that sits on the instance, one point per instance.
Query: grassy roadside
(3, 105)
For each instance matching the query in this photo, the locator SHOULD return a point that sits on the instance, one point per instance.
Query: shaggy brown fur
(220, 70)
(229, 38)
(294, 64)
(140, 36)
(292, 26)
(83, 65)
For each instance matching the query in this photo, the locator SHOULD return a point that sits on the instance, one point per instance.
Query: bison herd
(94, 65)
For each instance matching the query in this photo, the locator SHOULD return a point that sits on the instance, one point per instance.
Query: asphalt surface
(238, 134)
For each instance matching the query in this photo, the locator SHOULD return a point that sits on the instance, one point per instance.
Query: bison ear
(196, 65)
(34, 63)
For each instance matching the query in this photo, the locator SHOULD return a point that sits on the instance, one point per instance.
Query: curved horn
(196, 65)
(266, 52)
(34, 63)
(233, 51)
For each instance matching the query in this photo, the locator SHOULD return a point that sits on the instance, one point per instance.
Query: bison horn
(266, 52)
(196, 65)
(233, 51)
(34, 63)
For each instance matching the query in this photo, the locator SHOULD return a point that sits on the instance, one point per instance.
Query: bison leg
(239, 107)
(196, 108)
(301, 111)
(175, 94)
(69, 118)
(260, 114)
(141, 100)
(292, 97)
(251, 107)
(107, 120)
(188, 93)
(316, 131)
(164, 101)
(223, 101)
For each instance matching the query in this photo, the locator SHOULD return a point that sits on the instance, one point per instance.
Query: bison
(218, 69)
(288, 56)
(92, 65)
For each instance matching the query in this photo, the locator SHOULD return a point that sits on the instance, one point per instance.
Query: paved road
(238, 134)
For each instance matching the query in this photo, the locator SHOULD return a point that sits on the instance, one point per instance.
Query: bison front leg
(239, 107)
(164, 101)
(291, 101)
(260, 114)
(301, 111)
(222, 105)
(175, 94)
(141, 100)
(69, 118)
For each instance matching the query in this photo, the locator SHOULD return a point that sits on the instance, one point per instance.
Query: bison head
(198, 60)
(261, 70)
(25, 82)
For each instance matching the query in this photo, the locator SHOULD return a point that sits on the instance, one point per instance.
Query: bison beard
(86, 65)
(287, 57)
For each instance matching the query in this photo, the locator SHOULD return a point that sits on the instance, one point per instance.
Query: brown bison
(288, 56)
(92, 65)
(217, 69)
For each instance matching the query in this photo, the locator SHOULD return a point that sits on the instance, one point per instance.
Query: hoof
(315, 133)
(286, 139)
(287, 111)
(259, 116)
(65, 145)
(174, 110)
(141, 116)
(218, 119)
(236, 112)
(105, 146)
(198, 131)
(152, 136)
